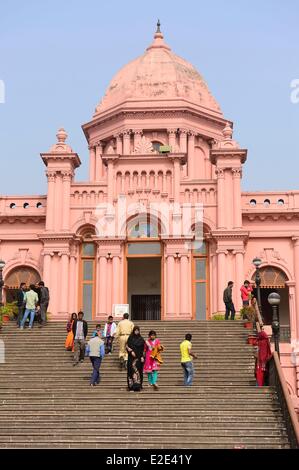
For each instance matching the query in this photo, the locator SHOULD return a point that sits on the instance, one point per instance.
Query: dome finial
(158, 27)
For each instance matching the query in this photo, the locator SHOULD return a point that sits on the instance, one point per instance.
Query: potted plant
(248, 314)
(9, 311)
(4, 312)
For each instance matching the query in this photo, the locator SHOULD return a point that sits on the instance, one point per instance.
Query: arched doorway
(144, 268)
(18, 275)
(274, 279)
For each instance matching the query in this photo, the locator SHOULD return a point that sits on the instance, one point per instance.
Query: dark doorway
(144, 288)
(146, 307)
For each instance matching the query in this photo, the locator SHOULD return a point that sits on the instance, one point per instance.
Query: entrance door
(144, 288)
(146, 307)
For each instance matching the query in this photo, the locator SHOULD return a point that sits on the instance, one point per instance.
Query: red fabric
(260, 376)
(264, 351)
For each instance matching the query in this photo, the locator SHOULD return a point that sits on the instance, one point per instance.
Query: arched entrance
(274, 279)
(18, 275)
(144, 268)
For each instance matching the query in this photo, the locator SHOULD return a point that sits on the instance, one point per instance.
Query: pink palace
(162, 223)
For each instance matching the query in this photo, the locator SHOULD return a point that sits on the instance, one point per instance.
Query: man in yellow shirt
(123, 331)
(186, 360)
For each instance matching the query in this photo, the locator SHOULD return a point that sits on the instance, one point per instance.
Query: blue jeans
(96, 363)
(188, 372)
(26, 314)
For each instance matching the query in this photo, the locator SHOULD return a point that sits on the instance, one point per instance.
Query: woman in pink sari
(153, 359)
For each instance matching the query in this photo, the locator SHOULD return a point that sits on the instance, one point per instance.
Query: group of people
(136, 355)
(246, 294)
(32, 302)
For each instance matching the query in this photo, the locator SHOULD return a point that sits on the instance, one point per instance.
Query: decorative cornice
(259, 215)
(230, 235)
(56, 237)
(23, 218)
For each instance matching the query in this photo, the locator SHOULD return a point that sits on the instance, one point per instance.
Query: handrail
(277, 380)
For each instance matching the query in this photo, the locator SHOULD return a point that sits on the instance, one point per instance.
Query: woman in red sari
(263, 356)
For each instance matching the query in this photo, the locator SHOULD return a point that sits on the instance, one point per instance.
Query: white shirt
(79, 330)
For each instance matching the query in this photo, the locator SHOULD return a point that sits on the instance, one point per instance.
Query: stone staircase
(45, 402)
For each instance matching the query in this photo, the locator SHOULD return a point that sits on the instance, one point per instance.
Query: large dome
(158, 75)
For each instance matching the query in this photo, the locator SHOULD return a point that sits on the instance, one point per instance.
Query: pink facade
(161, 155)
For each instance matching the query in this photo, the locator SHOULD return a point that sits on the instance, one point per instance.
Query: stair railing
(277, 381)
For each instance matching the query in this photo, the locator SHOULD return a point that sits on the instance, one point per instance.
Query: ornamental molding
(230, 235)
(144, 147)
(101, 122)
(270, 216)
(44, 237)
(24, 219)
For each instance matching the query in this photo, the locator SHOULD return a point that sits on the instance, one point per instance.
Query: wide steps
(45, 402)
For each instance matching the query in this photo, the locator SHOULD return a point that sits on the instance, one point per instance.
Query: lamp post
(274, 301)
(2, 264)
(257, 262)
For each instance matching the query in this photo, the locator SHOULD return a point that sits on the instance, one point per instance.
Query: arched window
(156, 146)
(143, 227)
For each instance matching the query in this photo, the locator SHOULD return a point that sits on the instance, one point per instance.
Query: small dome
(158, 75)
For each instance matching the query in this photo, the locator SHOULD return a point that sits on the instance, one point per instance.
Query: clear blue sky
(57, 58)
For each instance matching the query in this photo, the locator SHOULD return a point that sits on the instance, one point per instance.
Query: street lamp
(274, 301)
(257, 262)
(2, 265)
